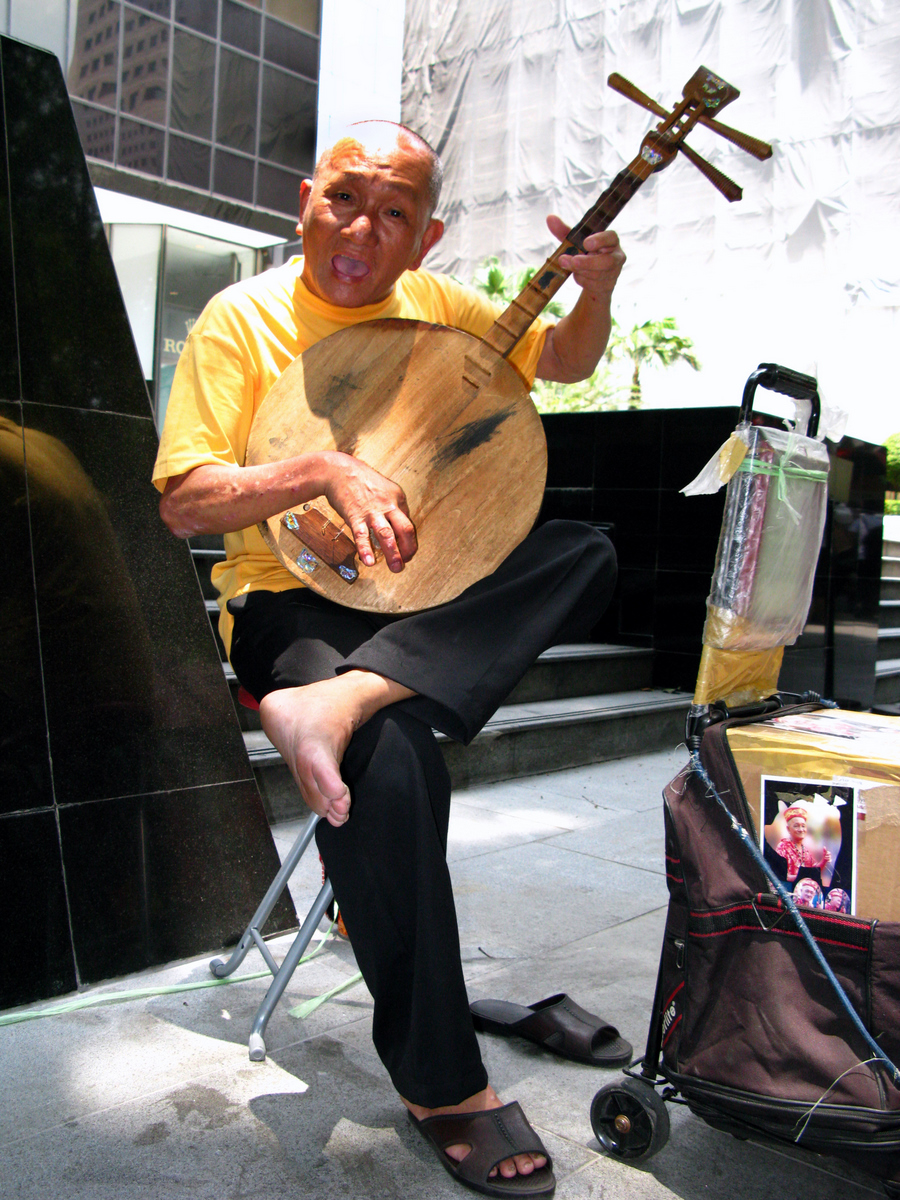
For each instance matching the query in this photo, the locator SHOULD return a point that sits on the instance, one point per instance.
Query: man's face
(797, 828)
(365, 220)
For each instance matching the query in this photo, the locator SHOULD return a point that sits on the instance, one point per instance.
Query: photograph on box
(809, 839)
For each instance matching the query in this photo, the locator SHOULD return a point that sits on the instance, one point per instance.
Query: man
(350, 698)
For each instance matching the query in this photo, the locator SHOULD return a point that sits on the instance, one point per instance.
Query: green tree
(892, 482)
(654, 342)
(502, 288)
(893, 463)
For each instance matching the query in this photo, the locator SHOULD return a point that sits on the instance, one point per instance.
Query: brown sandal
(494, 1134)
(557, 1024)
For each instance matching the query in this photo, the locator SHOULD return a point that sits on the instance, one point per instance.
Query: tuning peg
(729, 189)
(752, 145)
(619, 84)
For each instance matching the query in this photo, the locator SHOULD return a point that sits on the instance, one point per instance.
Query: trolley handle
(789, 383)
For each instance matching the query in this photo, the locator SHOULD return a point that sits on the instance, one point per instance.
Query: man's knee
(575, 539)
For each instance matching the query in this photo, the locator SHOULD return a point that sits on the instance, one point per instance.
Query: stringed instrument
(442, 413)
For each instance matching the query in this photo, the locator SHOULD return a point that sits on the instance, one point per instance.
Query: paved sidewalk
(560, 887)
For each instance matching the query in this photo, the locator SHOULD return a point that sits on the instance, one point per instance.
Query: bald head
(373, 137)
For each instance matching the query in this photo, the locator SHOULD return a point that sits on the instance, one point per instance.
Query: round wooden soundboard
(441, 414)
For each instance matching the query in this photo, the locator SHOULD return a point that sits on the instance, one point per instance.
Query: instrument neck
(546, 282)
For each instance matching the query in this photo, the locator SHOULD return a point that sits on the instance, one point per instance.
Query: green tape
(755, 467)
(68, 1006)
(310, 1006)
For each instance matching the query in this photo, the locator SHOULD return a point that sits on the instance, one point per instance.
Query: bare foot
(311, 727)
(521, 1164)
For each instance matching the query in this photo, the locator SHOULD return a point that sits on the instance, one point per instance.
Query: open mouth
(349, 268)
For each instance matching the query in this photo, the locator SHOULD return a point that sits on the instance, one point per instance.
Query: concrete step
(888, 644)
(521, 739)
(890, 567)
(889, 613)
(890, 588)
(576, 669)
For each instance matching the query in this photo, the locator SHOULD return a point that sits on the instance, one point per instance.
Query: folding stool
(221, 967)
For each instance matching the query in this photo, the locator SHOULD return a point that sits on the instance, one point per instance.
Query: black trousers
(388, 862)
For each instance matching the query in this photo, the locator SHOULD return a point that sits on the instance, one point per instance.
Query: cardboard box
(839, 773)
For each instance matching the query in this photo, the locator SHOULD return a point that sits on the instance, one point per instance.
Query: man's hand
(573, 348)
(369, 502)
(598, 269)
(219, 498)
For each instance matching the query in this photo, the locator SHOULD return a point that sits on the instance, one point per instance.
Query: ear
(434, 231)
(305, 189)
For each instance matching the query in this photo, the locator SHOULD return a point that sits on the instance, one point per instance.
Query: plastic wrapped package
(769, 545)
(762, 583)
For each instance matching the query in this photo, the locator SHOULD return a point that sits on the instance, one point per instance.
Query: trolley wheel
(630, 1120)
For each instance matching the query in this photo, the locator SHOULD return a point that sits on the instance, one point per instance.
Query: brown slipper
(557, 1024)
(493, 1135)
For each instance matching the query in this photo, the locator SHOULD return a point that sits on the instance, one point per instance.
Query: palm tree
(653, 342)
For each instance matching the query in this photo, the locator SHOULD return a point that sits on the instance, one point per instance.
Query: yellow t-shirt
(243, 341)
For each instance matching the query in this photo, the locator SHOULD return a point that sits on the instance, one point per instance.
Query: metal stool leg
(252, 935)
(285, 971)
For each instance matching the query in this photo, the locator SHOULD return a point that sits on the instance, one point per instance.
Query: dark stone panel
(9, 345)
(628, 450)
(634, 514)
(636, 604)
(803, 670)
(570, 449)
(690, 437)
(24, 763)
(570, 503)
(136, 698)
(855, 657)
(679, 610)
(673, 669)
(689, 528)
(156, 878)
(37, 959)
(75, 341)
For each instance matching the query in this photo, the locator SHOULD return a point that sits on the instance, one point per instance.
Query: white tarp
(804, 270)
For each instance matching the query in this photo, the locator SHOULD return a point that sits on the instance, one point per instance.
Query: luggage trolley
(777, 1007)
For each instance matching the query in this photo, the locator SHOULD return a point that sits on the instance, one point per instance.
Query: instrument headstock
(709, 90)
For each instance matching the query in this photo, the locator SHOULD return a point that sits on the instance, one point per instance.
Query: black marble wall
(131, 830)
(626, 469)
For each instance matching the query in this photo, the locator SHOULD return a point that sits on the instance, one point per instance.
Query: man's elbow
(175, 514)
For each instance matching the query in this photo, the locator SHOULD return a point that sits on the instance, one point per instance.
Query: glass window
(292, 49)
(148, 101)
(278, 190)
(233, 176)
(236, 110)
(193, 69)
(288, 120)
(302, 13)
(162, 8)
(96, 129)
(197, 14)
(240, 26)
(195, 268)
(189, 162)
(140, 147)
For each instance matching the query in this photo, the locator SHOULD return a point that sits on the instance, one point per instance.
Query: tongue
(349, 266)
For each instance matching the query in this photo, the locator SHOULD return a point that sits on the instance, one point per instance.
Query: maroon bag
(748, 1029)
